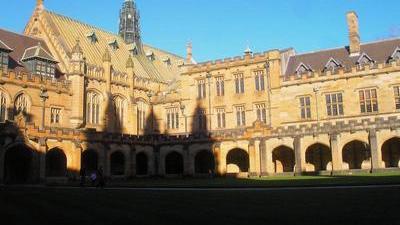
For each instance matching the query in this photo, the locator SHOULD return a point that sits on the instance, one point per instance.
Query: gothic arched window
(3, 107)
(141, 114)
(21, 104)
(119, 107)
(93, 108)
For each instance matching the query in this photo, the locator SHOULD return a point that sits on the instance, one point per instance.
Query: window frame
(368, 99)
(305, 107)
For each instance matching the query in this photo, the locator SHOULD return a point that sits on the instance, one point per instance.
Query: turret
(130, 71)
(354, 35)
(107, 68)
(274, 68)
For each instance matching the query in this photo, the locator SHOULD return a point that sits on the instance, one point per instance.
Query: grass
(286, 181)
(100, 207)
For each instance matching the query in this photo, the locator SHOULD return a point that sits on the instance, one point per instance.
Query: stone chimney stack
(354, 35)
(189, 52)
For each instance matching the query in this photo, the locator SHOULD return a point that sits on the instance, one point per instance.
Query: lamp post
(183, 113)
(43, 97)
(208, 76)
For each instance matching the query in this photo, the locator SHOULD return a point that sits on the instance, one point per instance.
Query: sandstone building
(75, 96)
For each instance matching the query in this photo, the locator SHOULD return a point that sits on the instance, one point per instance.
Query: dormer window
(302, 69)
(167, 61)
(113, 44)
(92, 37)
(365, 60)
(39, 61)
(150, 55)
(396, 55)
(332, 65)
(134, 49)
(4, 55)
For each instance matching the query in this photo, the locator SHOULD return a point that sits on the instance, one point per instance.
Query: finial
(39, 5)
(129, 62)
(107, 56)
(189, 52)
(77, 48)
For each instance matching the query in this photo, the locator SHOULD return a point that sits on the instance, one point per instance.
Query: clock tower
(129, 28)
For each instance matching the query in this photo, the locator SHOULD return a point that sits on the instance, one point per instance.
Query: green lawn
(287, 181)
(115, 207)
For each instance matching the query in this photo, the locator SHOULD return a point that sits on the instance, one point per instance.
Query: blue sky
(223, 28)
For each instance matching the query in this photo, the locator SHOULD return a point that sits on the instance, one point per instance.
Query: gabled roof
(37, 52)
(364, 56)
(5, 47)
(19, 43)
(304, 66)
(68, 30)
(334, 61)
(379, 51)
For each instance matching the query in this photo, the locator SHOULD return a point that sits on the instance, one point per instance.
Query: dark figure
(100, 178)
(83, 177)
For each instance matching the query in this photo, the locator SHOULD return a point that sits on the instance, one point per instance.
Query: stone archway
(142, 164)
(18, 164)
(391, 153)
(357, 155)
(237, 161)
(284, 159)
(89, 161)
(56, 163)
(319, 156)
(174, 163)
(117, 164)
(204, 162)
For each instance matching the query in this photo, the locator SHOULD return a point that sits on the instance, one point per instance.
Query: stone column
(270, 167)
(336, 153)
(2, 154)
(220, 162)
(263, 155)
(42, 159)
(128, 164)
(133, 163)
(252, 158)
(159, 163)
(106, 163)
(373, 143)
(298, 155)
(188, 167)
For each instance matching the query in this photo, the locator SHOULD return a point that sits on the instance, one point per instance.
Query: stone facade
(139, 111)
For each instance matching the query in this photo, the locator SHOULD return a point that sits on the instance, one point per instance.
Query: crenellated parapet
(27, 80)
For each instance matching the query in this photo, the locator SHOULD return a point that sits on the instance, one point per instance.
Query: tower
(129, 28)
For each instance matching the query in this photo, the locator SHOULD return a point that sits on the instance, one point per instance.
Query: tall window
(240, 116)
(3, 59)
(221, 118)
(55, 116)
(45, 68)
(397, 97)
(119, 107)
(305, 107)
(202, 119)
(173, 118)
(259, 79)
(239, 83)
(141, 115)
(93, 108)
(368, 101)
(201, 89)
(261, 113)
(334, 104)
(3, 107)
(220, 85)
(21, 104)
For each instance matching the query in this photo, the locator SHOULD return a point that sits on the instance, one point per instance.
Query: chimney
(189, 52)
(354, 35)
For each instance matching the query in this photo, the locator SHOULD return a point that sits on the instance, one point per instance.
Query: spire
(39, 5)
(77, 48)
(129, 27)
(189, 52)
(129, 62)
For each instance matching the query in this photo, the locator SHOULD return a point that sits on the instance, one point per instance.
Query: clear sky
(223, 28)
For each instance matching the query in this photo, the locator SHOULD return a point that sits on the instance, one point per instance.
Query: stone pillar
(159, 163)
(270, 167)
(188, 162)
(298, 155)
(2, 154)
(42, 159)
(106, 163)
(263, 157)
(133, 163)
(128, 164)
(220, 161)
(252, 158)
(336, 153)
(373, 143)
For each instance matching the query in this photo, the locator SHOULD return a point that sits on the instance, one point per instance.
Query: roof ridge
(23, 35)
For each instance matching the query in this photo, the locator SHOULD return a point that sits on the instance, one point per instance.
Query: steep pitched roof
(37, 52)
(19, 43)
(378, 51)
(68, 30)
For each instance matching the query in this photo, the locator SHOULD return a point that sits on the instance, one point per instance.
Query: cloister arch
(391, 153)
(204, 162)
(117, 163)
(319, 156)
(18, 164)
(357, 155)
(284, 159)
(174, 163)
(56, 163)
(237, 161)
(89, 161)
(142, 167)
